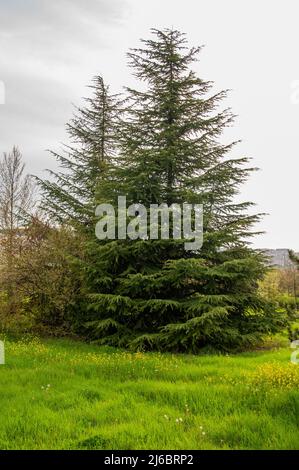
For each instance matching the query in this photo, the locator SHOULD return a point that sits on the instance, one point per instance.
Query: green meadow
(64, 394)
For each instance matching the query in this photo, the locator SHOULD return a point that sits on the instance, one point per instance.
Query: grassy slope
(59, 394)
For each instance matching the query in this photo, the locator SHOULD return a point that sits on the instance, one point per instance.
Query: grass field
(62, 394)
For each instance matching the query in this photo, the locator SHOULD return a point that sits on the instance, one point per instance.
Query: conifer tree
(70, 195)
(153, 294)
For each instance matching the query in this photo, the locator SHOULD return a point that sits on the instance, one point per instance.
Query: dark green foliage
(70, 195)
(294, 258)
(153, 294)
(180, 304)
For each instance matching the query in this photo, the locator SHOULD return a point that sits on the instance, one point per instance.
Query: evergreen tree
(153, 294)
(294, 258)
(70, 195)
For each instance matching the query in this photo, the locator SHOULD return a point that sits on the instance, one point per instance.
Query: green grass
(62, 394)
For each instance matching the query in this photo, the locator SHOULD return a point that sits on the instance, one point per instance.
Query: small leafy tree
(46, 276)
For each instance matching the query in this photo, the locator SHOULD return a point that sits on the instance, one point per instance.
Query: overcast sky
(49, 51)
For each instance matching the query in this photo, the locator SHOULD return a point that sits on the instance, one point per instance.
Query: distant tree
(269, 286)
(280, 281)
(16, 202)
(294, 258)
(16, 195)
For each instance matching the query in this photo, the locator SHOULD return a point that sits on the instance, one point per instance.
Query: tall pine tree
(153, 294)
(70, 195)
